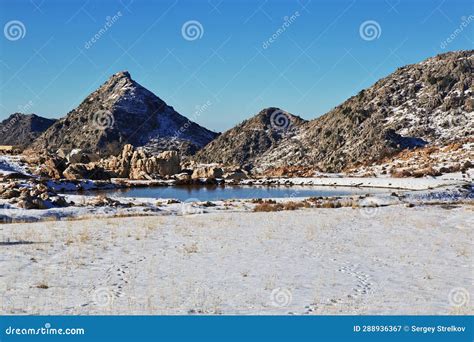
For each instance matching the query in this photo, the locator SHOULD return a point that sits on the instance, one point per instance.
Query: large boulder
(77, 155)
(53, 167)
(168, 163)
(182, 178)
(207, 171)
(85, 171)
(235, 175)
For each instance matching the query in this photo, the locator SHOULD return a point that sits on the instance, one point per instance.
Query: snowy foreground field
(393, 260)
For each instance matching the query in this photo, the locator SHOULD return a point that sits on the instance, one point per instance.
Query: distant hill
(252, 138)
(22, 129)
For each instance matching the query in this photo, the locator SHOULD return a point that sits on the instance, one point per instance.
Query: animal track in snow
(364, 283)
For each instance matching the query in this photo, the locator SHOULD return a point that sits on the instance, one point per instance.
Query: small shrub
(293, 205)
(267, 207)
(327, 204)
(397, 173)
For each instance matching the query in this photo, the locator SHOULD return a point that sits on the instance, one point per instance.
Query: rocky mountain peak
(122, 74)
(122, 111)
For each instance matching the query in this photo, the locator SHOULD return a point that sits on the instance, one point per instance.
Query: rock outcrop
(31, 196)
(137, 164)
(207, 171)
(85, 171)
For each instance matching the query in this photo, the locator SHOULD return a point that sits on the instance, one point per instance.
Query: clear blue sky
(318, 61)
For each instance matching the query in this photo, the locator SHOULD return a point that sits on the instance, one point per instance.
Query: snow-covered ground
(389, 260)
(11, 164)
(375, 182)
(404, 251)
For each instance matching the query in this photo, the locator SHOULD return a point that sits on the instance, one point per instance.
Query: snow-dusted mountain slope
(429, 103)
(121, 111)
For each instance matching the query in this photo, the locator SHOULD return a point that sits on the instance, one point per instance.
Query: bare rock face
(123, 112)
(168, 163)
(137, 164)
(51, 166)
(235, 175)
(85, 171)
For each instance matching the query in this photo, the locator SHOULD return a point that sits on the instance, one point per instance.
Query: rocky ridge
(429, 103)
(424, 104)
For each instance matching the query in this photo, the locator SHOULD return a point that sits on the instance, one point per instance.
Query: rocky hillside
(251, 139)
(123, 112)
(21, 129)
(429, 103)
